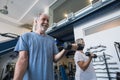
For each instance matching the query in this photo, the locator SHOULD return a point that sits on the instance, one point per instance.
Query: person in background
(37, 52)
(84, 67)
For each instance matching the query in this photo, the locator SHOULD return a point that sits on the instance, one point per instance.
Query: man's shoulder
(26, 34)
(50, 37)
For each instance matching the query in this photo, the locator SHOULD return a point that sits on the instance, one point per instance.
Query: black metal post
(106, 66)
(118, 52)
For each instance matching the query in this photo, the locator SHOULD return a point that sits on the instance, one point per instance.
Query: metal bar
(117, 50)
(106, 66)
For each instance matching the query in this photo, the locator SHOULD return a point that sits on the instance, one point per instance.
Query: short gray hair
(35, 21)
(78, 41)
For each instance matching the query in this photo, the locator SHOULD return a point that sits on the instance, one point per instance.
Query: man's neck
(40, 32)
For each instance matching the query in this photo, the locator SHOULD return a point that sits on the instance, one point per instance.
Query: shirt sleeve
(21, 45)
(55, 48)
(79, 57)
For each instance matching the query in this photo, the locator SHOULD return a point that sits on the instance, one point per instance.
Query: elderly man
(37, 52)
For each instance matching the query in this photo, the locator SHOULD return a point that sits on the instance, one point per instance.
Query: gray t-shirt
(40, 51)
(89, 73)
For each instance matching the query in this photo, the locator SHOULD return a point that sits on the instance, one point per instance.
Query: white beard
(43, 28)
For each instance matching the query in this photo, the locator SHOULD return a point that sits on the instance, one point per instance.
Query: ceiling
(23, 11)
(72, 6)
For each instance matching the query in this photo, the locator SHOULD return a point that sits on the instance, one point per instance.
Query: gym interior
(96, 21)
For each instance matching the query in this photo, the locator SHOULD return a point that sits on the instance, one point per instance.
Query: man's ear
(34, 24)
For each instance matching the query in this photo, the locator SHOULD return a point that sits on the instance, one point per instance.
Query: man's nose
(46, 21)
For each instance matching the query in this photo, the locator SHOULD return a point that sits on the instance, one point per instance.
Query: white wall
(6, 28)
(78, 29)
(106, 37)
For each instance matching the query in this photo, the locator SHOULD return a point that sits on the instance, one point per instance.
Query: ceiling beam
(28, 10)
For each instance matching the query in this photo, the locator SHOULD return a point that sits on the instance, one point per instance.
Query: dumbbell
(72, 46)
(88, 54)
(67, 46)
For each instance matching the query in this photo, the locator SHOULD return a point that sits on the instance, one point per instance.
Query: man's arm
(84, 65)
(58, 56)
(21, 65)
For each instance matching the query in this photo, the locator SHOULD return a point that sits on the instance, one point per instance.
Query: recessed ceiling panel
(40, 7)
